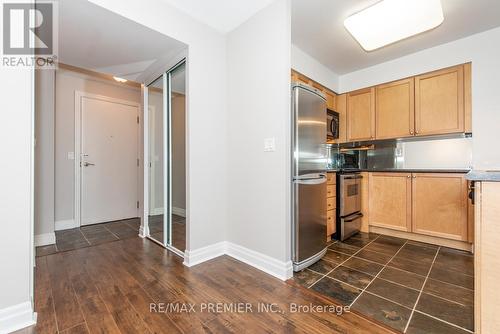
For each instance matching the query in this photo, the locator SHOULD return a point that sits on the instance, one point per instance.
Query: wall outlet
(269, 144)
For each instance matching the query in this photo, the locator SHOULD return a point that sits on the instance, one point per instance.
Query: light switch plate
(71, 155)
(269, 144)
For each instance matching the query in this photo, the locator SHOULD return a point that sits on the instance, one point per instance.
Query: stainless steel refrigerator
(308, 176)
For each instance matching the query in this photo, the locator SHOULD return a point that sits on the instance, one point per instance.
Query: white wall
(206, 113)
(16, 195)
(44, 156)
(258, 57)
(67, 82)
(483, 50)
(313, 69)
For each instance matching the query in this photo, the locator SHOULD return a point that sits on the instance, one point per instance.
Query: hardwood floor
(109, 288)
(178, 230)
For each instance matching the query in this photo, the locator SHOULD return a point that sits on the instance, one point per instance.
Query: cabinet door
(330, 223)
(330, 99)
(341, 108)
(361, 115)
(439, 205)
(439, 102)
(395, 109)
(390, 200)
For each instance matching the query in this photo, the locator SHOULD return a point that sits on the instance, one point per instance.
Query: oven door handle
(352, 177)
(356, 217)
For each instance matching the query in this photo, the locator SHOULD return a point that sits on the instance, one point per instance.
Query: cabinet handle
(411, 132)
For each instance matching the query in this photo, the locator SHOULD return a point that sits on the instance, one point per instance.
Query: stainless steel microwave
(332, 124)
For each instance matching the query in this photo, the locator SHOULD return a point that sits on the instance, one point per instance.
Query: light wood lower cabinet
(330, 224)
(390, 200)
(439, 205)
(486, 259)
(433, 204)
(331, 206)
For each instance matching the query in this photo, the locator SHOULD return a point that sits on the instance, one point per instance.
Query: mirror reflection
(156, 165)
(178, 154)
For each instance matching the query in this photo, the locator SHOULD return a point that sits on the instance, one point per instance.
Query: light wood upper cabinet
(395, 109)
(361, 115)
(439, 205)
(468, 97)
(439, 102)
(341, 108)
(330, 99)
(390, 200)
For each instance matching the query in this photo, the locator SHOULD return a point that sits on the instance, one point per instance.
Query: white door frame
(152, 168)
(78, 138)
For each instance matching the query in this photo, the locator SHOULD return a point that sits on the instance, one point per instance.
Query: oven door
(350, 194)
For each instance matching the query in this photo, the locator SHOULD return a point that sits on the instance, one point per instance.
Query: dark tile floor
(91, 235)
(410, 286)
(178, 230)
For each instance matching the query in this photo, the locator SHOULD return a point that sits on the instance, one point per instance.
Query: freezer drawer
(309, 228)
(350, 225)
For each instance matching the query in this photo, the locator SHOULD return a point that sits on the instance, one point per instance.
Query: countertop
(393, 170)
(484, 175)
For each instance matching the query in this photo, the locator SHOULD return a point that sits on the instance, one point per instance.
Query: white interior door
(109, 153)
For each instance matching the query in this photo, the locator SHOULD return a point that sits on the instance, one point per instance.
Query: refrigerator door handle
(310, 177)
(311, 181)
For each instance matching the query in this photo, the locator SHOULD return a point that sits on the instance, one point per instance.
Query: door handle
(86, 164)
(356, 217)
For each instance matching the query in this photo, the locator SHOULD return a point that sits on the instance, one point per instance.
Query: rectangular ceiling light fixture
(389, 21)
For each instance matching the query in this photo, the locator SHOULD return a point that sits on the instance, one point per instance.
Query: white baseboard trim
(144, 231)
(197, 256)
(179, 211)
(156, 211)
(276, 268)
(176, 211)
(45, 239)
(16, 317)
(265, 263)
(65, 224)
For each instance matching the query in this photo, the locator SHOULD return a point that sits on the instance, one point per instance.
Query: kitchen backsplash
(448, 153)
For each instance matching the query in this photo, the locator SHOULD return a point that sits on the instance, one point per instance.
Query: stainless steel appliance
(308, 176)
(332, 124)
(349, 204)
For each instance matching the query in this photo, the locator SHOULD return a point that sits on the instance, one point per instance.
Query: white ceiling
(318, 30)
(94, 38)
(222, 15)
